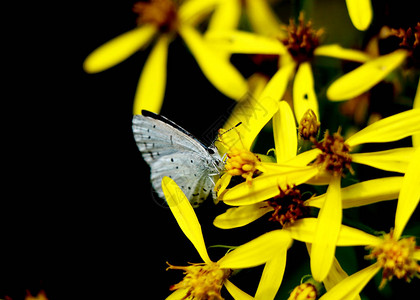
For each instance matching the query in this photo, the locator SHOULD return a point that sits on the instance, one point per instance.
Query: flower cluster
(329, 149)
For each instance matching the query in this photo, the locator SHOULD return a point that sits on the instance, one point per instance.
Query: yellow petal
(350, 236)
(336, 51)
(226, 16)
(258, 251)
(360, 12)
(416, 255)
(416, 104)
(323, 178)
(118, 49)
(257, 82)
(236, 41)
(394, 160)
(236, 292)
(304, 230)
(389, 129)
(253, 114)
(335, 275)
(240, 216)
(193, 12)
(305, 158)
(366, 192)
(277, 85)
(272, 276)
(304, 96)
(262, 18)
(284, 131)
(152, 83)
(366, 76)
(266, 186)
(327, 231)
(222, 183)
(178, 294)
(185, 216)
(281, 168)
(409, 195)
(218, 70)
(350, 287)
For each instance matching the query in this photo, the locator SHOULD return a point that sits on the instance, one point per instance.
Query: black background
(78, 217)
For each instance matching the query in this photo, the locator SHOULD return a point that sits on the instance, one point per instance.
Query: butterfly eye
(211, 151)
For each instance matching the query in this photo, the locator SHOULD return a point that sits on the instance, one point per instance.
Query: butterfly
(172, 151)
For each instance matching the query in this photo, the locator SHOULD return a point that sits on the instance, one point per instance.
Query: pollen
(309, 125)
(161, 13)
(242, 162)
(202, 281)
(302, 39)
(335, 157)
(288, 206)
(396, 258)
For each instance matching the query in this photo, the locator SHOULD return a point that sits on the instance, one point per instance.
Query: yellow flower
(286, 204)
(254, 114)
(360, 12)
(330, 215)
(163, 20)
(372, 72)
(395, 255)
(204, 280)
(332, 160)
(285, 208)
(296, 51)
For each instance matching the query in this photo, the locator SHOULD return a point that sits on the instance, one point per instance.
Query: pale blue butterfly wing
(171, 151)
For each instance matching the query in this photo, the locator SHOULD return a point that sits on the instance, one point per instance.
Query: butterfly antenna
(220, 134)
(218, 138)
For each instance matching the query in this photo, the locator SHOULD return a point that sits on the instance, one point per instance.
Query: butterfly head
(217, 161)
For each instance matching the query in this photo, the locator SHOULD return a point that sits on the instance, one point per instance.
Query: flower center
(302, 39)
(410, 38)
(242, 162)
(335, 157)
(161, 13)
(288, 206)
(202, 281)
(396, 258)
(309, 125)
